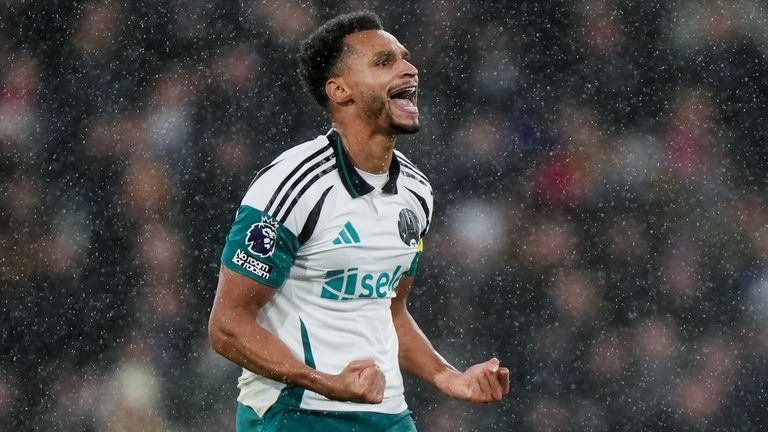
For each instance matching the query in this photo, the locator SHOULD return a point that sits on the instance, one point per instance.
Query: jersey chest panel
(360, 247)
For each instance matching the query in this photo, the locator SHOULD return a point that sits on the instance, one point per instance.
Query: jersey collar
(352, 180)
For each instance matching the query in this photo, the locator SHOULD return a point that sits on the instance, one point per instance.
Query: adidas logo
(348, 235)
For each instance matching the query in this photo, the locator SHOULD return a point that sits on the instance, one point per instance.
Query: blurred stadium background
(601, 225)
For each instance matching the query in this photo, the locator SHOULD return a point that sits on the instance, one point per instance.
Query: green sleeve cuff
(260, 247)
(414, 265)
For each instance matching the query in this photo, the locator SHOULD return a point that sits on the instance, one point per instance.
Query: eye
(383, 62)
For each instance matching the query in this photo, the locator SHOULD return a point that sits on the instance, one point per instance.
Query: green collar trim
(352, 180)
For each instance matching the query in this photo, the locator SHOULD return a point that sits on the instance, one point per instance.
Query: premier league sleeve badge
(262, 237)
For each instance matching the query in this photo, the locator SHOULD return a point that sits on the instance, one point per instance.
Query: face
(381, 81)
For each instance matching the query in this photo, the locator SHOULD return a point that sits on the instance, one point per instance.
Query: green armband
(260, 247)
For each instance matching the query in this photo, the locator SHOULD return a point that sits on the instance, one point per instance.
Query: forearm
(417, 356)
(485, 382)
(235, 333)
(245, 342)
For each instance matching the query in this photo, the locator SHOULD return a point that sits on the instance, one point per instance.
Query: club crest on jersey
(262, 237)
(408, 226)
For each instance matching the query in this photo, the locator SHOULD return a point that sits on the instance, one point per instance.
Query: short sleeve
(415, 262)
(260, 247)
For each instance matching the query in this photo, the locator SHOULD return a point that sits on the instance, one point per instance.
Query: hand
(484, 382)
(361, 381)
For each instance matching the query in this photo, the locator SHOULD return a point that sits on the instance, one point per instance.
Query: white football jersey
(334, 247)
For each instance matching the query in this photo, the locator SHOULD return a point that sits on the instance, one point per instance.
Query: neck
(370, 151)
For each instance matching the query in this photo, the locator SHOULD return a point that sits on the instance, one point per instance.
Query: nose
(409, 70)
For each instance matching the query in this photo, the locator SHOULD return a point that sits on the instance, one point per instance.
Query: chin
(403, 129)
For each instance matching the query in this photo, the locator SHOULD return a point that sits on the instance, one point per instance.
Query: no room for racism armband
(260, 247)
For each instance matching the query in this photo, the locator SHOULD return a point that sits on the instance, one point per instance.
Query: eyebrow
(390, 53)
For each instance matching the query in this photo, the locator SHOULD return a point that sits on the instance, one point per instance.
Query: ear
(337, 91)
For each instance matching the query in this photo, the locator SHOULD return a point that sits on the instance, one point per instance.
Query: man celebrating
(316, 270)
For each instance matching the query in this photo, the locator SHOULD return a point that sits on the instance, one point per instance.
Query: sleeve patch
(260, 247)
(251, 264)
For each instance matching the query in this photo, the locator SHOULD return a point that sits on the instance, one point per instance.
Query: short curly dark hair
(321, 52)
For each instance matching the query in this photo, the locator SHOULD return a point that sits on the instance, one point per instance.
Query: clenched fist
(360, 381)
(484, 382)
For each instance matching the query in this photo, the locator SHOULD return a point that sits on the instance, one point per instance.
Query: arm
(234, 333)
(484, 382)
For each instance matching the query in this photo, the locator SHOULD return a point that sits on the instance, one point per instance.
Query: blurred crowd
(601, 224)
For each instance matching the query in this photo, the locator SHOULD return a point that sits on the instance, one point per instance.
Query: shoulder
(303, 150)
(295, 158)
(412, 177)
(291, 173)
(417, 186)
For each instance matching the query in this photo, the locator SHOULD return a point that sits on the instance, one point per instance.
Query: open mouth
(404, 99)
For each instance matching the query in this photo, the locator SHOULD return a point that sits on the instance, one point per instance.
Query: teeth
(408, 91)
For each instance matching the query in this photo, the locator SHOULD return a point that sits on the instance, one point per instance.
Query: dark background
(601, 225)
